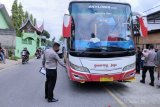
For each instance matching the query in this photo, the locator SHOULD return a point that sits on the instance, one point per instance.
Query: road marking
(120, 102)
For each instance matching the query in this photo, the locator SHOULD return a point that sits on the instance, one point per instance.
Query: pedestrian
(2, 55)
(138, 60)
(142, 60)
(157, 62)
(50, 60)
(149, 64)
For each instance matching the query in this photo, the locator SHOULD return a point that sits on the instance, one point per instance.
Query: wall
(7, 38)
(3, 23)
(150, 39)
(31, 47)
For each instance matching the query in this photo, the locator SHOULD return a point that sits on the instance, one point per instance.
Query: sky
(52, 11)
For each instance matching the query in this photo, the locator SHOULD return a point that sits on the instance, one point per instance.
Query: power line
(151, 8)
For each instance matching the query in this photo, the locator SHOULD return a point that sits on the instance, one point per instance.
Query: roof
(41, 28)
(38, 29)
(100, 1)
(153, 18)
(6, 15)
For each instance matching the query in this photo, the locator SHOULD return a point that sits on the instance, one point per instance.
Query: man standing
(149, 64)
(50, 60)
(138, 60)
(157, 62)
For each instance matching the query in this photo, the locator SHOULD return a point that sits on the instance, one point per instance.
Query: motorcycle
(38, 55)
(24, 59)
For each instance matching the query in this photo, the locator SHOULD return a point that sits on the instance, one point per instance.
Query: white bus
(99, 41)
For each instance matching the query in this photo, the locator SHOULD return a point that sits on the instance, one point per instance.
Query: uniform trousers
(51, 78)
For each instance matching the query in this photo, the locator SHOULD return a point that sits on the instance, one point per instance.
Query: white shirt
(95, 40)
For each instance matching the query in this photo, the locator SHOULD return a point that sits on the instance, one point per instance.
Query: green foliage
(21, 14)
(49, 43)
(31, 18)
(14, 58)
(15, 16)
(45, 33)
(18, 17)
(61, 38)
(10, 53)
(34, 21)
(26, 15)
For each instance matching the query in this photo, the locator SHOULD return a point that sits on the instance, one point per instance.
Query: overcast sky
(52, 11)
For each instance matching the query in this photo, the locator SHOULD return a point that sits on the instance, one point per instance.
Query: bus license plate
(106, 79)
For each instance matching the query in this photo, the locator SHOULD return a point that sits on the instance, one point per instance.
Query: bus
(99, 41)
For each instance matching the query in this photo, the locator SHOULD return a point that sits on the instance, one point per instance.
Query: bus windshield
(101, 26)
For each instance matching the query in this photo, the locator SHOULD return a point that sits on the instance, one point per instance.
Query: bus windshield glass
(101, 26)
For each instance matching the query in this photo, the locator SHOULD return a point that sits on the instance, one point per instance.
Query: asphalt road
(23, 86)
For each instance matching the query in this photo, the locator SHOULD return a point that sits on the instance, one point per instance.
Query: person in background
(157, 62)
(2, 55)
(25, 52)
(50, 62)
(94, 39)
(149, 64)
(138, 60)
(142, 60)
(156, 50)
(38, 53)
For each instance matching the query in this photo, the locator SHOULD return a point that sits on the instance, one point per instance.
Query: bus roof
(96, 1)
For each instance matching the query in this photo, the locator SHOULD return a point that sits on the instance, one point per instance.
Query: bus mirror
(67, 21)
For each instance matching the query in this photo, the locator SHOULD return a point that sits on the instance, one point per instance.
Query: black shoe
(141, 81)
(46, 97)
(137, 72)
(151, 84)
(53, 100)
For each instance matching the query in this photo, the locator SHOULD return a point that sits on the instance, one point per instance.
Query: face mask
(56, 50)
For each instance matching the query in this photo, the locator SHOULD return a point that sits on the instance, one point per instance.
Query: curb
(18, 62)
(2, 68)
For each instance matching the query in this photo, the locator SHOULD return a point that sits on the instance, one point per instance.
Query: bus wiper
(90, 50)
(118, 48)
(82, 52)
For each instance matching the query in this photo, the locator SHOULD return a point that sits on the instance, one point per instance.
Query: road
(23, 86)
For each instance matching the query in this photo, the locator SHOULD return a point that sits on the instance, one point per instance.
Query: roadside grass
(16, 58)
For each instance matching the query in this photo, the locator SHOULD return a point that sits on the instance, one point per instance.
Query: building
(7, 33)
(153, 21)
(31, 38)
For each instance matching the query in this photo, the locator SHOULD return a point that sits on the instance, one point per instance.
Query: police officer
(50, 60)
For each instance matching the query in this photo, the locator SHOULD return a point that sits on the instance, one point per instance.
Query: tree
(15, 16)
(31, 18)
(61, 38)
(26, 15)
(35, 21)
(21, 14)
(45, 33)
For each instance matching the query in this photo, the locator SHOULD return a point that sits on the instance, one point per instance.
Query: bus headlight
(79, 68)
(128, 67)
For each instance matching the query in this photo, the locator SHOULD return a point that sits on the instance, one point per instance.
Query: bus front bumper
(88, 77)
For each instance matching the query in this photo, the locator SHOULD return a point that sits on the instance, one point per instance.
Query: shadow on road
(95, 86)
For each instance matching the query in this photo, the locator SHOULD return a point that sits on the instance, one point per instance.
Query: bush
(14, 58)
(9, 53)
